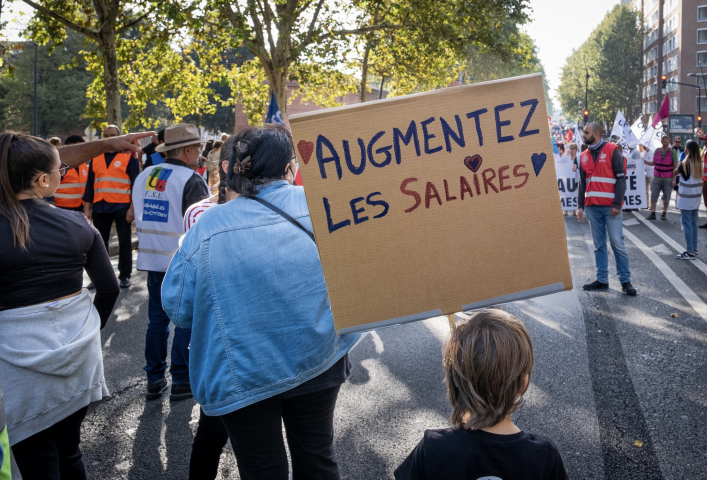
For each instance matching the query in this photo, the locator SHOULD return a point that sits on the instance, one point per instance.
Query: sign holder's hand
(580, 214)
(615, 211)
(130, 214)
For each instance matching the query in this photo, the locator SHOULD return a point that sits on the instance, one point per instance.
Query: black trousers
(54, 453)
(256, 436)
(211, 436)
(103, 222)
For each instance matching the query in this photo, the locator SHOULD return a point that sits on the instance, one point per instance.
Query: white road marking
(695, 302)
(630, 222)
(679, 248)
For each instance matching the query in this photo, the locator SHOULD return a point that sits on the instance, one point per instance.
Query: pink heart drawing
(473, 163)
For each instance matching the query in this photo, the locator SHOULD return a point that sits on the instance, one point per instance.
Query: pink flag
(663, 112)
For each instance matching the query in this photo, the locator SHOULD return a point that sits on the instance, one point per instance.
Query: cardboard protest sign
(434, 203)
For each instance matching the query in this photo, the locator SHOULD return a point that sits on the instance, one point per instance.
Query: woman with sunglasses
(50, 346)
(248, 282)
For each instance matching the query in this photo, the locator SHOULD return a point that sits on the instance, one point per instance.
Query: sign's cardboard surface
(434, 203)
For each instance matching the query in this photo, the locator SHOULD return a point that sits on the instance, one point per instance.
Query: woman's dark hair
(73, 140)
(209, 146)
(21, 158)
(256, 156)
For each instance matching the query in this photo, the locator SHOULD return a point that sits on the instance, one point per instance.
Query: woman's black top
(62, 243)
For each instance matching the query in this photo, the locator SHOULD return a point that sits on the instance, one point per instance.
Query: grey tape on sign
(392, 321)
(514, 297)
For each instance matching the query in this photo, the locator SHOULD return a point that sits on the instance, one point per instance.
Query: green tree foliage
(137, 49)
(61, 98)
(484, 64)
(423, 41)
(612, 56)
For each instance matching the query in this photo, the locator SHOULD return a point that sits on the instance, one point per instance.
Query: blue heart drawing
(538, 162)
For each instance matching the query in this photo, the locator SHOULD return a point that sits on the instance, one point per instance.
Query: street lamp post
(35, 90)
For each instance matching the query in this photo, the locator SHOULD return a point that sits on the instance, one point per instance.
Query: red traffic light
(699, 119)
(586, 113)
(663, 79)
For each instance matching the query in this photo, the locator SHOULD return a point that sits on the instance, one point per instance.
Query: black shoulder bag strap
(284, 215)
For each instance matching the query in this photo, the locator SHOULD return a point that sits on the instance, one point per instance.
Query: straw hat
(179, 136)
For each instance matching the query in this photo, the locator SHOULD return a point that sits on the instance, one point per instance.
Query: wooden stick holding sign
(386, 181)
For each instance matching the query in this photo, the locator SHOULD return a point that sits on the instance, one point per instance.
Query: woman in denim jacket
(264, 350)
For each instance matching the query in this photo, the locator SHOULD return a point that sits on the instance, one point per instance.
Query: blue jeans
(689, 225)
(601, 222)
(157, 336)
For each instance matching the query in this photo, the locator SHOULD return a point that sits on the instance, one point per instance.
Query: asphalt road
(619, 382)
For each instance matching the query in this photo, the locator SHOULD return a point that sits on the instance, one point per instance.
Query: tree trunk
(364, 74)
(106, 43)
(279, 88)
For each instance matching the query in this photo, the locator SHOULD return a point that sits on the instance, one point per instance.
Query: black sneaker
(181, 391)
(651, 216)
(686, 256)
(125, 282)
(628, 289)
(695, 254)
(91, 286)
(664, 216)
(596, 285)
(155, 390)
(703, 226)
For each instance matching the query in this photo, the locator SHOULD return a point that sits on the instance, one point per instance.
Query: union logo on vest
(158, 179)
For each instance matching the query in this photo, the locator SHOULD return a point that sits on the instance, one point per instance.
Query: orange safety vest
(601, 181)
(70, 191)
(111, 184)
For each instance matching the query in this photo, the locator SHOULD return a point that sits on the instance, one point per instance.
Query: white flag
(622, 129)
(638, 128)
(652, 135)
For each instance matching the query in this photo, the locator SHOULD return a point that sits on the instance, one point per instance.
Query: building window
(670, 5)
(650, 107)
(700, 106)
(652, 20)
(650, 38)
(671, 85)
(702, 59)
(650, 73)
(702, 14)
(674, 104)
(671, 64)
(670, 45)
(702, 36)
(671, 24)
(651, 55)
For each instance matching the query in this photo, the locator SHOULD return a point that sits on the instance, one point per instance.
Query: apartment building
(675, 45)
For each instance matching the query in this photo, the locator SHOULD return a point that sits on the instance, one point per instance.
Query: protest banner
(567, 180)
(636, 195)
(433, 203)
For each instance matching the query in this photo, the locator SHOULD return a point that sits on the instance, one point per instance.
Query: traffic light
(699, 121)
(586, 116)
(663, 81)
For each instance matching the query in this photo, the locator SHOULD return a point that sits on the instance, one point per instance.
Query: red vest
(111, 183)
(704, 172)
(70, 191)
(600, 177)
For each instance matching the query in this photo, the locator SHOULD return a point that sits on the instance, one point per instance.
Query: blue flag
(274, 115)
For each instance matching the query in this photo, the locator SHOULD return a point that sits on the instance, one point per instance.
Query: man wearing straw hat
(161, 195)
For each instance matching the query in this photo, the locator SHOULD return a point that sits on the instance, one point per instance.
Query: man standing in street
(107, 200)
(602, 185)
(161, 196)
(665, 161)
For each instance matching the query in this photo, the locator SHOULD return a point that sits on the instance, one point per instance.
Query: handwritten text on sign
(427, 136)
(409, 196)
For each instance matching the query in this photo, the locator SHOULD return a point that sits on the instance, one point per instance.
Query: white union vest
(157, 200)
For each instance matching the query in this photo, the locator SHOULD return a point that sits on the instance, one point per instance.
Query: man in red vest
(602, 185)
(107, 199)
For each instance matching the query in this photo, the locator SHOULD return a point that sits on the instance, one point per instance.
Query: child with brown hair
(487, 364)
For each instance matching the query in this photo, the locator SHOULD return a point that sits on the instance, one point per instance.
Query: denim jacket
(250, 286)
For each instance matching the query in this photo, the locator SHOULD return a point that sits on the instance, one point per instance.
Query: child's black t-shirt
(454, 453)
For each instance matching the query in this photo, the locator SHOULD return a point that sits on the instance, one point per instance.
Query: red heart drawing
(305, 149)
(473, 163)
